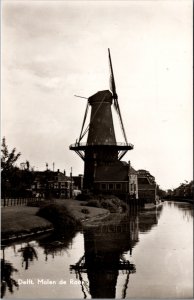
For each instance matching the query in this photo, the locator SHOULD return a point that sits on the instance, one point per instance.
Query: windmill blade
(112, 80)
(80, 97)
(120, 119)
(84, 120)
(115, 97)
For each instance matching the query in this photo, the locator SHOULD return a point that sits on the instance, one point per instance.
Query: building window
(103, 186)
(110, 186)
(118, 186)
(134, 187)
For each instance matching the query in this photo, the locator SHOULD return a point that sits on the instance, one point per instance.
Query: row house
(146, 186)
(49, 184)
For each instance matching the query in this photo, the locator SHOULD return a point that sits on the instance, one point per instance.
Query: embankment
(23, 221)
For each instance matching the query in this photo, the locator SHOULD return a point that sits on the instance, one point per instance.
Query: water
(150, 255)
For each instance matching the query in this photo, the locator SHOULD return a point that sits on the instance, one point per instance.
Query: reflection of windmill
(101, 148)
(100, 267)
(103, 259)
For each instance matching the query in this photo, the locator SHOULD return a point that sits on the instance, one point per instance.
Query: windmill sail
(112, 80)
(115, 96)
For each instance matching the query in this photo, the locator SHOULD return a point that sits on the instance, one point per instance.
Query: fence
(18, 201)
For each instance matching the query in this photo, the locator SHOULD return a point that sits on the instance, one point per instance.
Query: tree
(16, 182)
(8, 159)
(8, 168)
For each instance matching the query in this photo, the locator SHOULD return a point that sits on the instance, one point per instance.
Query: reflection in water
(53, 244)
(106, 264)
(7, 280)
(186, 208)
(104, 260)
(56, 244)
(104, 254)
(28, 254)
(149, 218)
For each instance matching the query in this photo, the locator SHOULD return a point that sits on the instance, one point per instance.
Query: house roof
(114, 172)
(117, 171)
(50, 175)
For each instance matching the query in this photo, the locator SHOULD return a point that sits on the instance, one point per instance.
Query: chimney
(58, 170)
(129, 164)
(71, 172)
(64, 172)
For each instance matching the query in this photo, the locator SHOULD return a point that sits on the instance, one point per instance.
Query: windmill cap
(101, 96)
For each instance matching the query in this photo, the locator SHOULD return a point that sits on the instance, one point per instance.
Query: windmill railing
(83, 145)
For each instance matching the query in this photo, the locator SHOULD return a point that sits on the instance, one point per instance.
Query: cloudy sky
(52, 50)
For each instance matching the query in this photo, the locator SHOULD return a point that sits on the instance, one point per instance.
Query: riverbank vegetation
(110, 202)
(60, 216)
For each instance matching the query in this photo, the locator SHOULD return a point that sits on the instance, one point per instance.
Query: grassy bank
(23, 220)
(17, 220)
(60, 215)
(82, 212)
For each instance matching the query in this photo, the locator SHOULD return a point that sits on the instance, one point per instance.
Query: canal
(149, 255)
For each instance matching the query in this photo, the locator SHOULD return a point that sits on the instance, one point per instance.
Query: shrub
(108, 204)
(124, 207)
(94, 203)
(85, 211)
(59, 215)
(82, 197)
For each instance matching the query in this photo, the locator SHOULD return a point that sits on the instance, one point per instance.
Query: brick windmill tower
(103, 169)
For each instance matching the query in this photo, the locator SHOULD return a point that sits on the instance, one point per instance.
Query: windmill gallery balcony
(80, 148)
(118, 146)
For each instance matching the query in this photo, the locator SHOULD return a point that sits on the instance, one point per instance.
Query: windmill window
(118, 186)
(103, 186)
(110, 186)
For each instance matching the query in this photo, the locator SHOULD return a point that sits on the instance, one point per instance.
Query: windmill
(101, 148)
